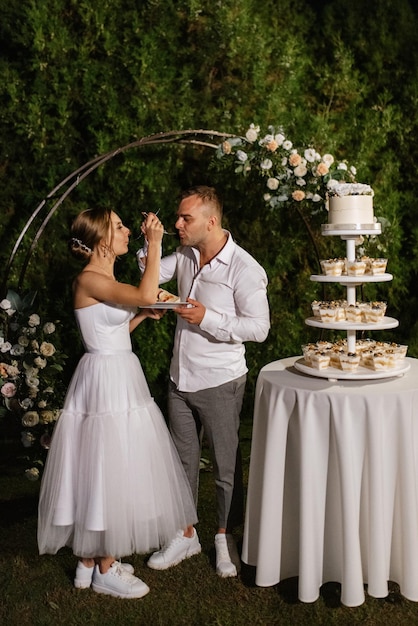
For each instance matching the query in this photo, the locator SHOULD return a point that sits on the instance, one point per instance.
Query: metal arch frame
(194, 137)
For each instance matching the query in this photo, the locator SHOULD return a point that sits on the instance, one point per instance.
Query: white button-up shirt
(232, 287)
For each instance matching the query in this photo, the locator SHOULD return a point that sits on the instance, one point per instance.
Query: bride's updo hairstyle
(89, 228)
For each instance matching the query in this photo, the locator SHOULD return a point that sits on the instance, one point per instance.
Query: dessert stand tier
(387, 322)
(351, 230)
(352, 280)
(349, 233)
(361, 373)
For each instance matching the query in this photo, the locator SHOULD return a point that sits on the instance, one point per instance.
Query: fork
(145, 214)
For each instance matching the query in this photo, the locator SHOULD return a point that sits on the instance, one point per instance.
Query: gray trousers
(216, 412)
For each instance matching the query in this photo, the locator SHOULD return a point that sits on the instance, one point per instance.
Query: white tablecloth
(333, 483)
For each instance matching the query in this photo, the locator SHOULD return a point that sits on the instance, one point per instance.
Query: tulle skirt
(113, 483)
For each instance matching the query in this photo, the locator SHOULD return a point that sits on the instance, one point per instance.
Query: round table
(333, 483)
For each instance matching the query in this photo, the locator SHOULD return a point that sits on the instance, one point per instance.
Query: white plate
(361, 373)
(166, 305)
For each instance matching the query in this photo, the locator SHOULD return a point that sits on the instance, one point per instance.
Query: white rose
(5, 304)
(23, 341)
(242, 156)
(32, 473)
(30, 419)
(272, 183)
(328, 159)
(310, 155)
(251, 135)
(47, 417)
(17, 350)
(279, 139)
(6, 346)
(300, 170)
(32, 382)
(40, 362)
(27, 439)
(342, 166)
(332, 183)
(34, 320)
(266, 164)
(49, 328)
(287, 145)
(47, 349)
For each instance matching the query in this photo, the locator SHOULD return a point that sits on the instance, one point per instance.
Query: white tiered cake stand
(349, 233)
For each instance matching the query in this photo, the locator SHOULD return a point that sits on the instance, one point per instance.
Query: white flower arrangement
(30, 377)
(291, 174)
(350, 189)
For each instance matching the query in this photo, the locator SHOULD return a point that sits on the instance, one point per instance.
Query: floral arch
(287, 174)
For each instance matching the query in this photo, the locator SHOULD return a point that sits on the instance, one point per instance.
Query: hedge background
(79, 78)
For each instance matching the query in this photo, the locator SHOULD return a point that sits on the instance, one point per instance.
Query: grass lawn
(38, 591)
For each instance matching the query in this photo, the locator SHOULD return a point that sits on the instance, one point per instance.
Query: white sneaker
(178, 549)
(228, 562)
(118, 582)
(84, 575)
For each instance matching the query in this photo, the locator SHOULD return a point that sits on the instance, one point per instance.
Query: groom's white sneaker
(228, 563)
(177, 550)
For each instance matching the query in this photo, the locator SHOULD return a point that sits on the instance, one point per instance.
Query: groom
(226, 289)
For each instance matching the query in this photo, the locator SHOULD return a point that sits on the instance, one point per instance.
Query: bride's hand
(152, 228)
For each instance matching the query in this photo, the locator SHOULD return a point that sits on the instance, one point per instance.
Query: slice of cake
(320, 360)
(349, 361)
(353, 313)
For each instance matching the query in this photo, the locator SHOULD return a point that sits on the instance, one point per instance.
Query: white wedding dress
(113, 482)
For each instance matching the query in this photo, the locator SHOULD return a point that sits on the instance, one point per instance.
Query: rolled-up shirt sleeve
(250, 320)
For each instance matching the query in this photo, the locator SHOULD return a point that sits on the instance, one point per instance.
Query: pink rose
(322, 169)
(298, 195)
(8, 390)
(295, 159)
(272, 145)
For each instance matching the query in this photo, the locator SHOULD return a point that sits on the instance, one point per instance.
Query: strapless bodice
(105, 327)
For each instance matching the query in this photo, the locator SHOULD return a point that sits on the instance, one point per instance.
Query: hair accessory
(80, 244)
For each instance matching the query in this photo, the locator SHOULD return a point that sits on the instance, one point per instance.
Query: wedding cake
(350, 204)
